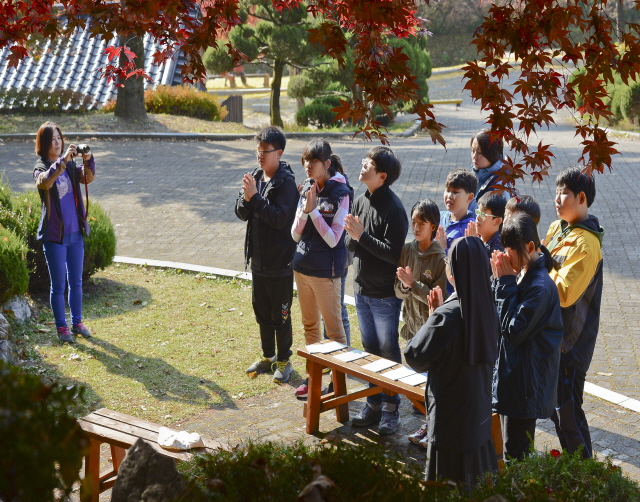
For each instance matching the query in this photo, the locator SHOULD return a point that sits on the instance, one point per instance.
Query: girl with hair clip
(526, 373)
(321, 258)
(458, 346)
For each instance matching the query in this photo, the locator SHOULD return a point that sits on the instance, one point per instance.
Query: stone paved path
(174, 201)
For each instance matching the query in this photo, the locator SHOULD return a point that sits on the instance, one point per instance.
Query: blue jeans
(65, 263)
(379, 319)
(345, 315)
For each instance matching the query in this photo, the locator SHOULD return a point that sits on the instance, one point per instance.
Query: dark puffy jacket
(313, 256)
(268, 243)
(526, 373)
(51, 227)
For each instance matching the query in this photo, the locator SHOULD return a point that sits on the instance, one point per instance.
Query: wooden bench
(457, 102)
(121, 431)
(339, 399)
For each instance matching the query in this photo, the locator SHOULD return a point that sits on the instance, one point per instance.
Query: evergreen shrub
(14, 275)
(318, 112)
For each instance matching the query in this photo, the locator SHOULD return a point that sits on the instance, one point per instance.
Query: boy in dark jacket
(575, 243)
(267, 202)
(377, 228)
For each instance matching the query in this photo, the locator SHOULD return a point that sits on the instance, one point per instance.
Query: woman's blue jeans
(379, 319)
(65, 263)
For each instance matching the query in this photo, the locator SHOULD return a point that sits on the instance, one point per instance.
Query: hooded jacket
(268, 244)
(51, 227)
(526, 373)
(577, 254)
(428, 272)
(314, 256)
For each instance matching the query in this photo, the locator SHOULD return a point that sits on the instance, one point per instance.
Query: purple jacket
(51, 227)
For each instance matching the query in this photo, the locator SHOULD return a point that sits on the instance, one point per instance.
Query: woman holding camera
(321, 258)
(63, 225)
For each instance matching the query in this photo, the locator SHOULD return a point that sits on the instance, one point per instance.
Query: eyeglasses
(263, 153)
(482, 216)
(368, 162)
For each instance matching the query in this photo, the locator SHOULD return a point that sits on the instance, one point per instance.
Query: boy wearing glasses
(376, 230)
(267, 202)
(488, 224)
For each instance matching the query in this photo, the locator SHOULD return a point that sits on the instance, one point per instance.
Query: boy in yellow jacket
(575, 243)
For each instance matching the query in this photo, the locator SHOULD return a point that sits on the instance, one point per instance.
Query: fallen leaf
(137, 302)
(119, 366)
(232, 309)
(43, 330)
(203, 304)
(74, 357)
(140, 365)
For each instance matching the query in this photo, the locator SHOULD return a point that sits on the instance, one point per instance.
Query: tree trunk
(130, 98)
(278, 70)
(620, 19)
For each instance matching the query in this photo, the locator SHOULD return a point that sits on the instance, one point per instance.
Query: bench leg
(340, 389)
(90, 487)
(313, 399)
(117, 456)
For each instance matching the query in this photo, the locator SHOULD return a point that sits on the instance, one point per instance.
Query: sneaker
(262, 365)
(282, 371)
(389, 422)
(417, 436)
(303, 390)
(366, 417)
(81, 329)
(424, 442)
(64, 335)
(326, 370)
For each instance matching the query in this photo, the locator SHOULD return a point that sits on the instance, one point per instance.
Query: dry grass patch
(166, 345)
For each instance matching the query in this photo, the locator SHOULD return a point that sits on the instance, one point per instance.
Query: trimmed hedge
(23, 218)
(180, 100)
(318, 112)
(14, 275)
(24, 100)
(275, 471)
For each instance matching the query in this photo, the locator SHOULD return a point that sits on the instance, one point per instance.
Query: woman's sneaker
(424, 442)
(80, 329)
(420, 434)
(260, 366)
(302, 392)
(367, 416)
(282, 371)
(64, 335)
(389, 422)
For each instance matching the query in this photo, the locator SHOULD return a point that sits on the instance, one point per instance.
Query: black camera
(83, 149)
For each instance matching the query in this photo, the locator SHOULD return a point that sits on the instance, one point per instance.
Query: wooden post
(340, 389)
(313, 399)
(90, 487)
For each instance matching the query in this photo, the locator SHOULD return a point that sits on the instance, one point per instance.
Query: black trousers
(517, 435)
(571, 423)
(271, 298)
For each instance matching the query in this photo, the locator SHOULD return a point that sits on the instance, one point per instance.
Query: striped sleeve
(331, 234)
(299, 222)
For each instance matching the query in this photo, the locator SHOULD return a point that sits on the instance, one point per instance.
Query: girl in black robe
(458, 348)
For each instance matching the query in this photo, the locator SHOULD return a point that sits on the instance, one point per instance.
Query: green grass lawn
(166, 345)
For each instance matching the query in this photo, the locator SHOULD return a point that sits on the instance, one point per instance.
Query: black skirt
(463, 467)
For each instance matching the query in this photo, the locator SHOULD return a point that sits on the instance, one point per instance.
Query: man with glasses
(267, 202)
(376, 230)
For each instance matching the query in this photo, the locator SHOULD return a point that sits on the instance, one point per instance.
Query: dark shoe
(64, 335)
(262, 365)
(389, 422)
(81, 329)
(282, 371)
(366, 417)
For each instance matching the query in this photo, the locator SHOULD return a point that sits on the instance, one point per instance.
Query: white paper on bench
(351, 356)
(379, 365)
(399, 373)
(416, 379)
(324, 348)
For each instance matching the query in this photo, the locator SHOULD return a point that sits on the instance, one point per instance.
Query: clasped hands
(501, 264)
(353, 226)
(249, 186)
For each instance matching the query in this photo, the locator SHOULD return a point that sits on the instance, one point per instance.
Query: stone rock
(5, 328)
(6, 353)
(147, 476)
(19, 307)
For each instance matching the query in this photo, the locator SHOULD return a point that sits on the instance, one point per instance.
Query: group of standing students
(499, 321)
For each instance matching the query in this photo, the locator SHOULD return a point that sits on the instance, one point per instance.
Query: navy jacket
(313, 256)
(268, 243)
(526, 373)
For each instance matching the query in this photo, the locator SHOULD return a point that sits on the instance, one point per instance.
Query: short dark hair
(495, 202)
(427, 211)
(320, 149)
(573, 178)
(386, 162)
(519, 231)
(524, 204)
(272, 135)
(462, 179)
(491, 146)
(44, 138)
